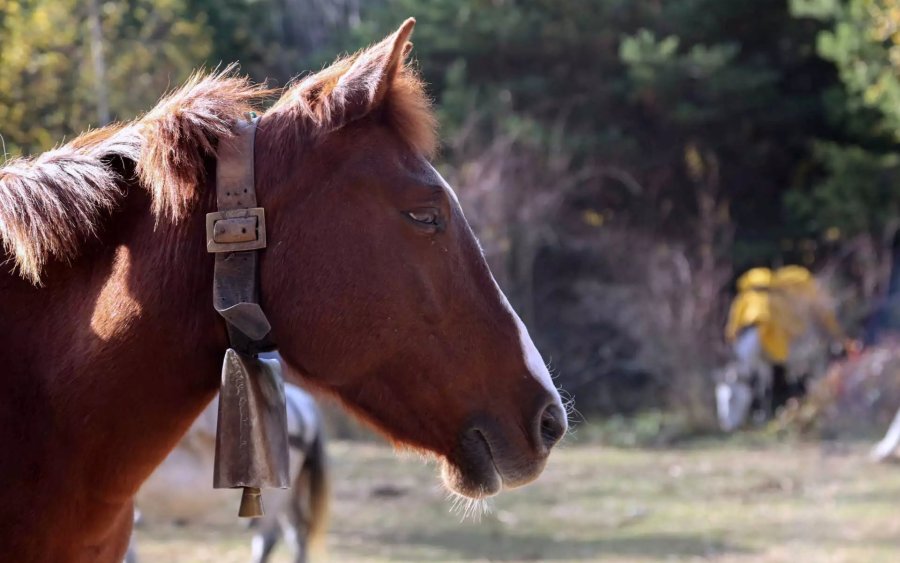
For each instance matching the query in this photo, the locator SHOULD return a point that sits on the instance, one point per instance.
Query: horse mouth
(482, 467)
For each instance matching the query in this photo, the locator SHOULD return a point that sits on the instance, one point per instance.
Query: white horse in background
(745, 380)
(748, 380)
(889, 444)
(181, 487)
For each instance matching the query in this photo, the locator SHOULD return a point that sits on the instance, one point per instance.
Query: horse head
(376, 288)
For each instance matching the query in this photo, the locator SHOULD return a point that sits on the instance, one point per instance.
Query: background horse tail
(311, 490)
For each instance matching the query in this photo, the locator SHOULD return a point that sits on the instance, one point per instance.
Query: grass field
(721, 501)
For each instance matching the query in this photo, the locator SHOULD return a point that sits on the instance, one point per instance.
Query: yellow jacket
(751, 304)
(782, 305)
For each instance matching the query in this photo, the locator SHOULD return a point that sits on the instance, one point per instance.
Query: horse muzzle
(489, 459)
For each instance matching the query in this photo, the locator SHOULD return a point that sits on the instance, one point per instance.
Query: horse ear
(367, 82)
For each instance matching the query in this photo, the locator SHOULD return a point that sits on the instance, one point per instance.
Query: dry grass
(716, 501)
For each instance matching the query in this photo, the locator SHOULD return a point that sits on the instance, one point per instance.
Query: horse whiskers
(569, 404)
(568, 399)
(573, 415)
(468, 508)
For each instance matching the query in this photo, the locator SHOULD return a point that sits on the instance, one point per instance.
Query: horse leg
(889, 443)
(780, 387)
(295, 537)
(131, 554)
(295, 521)
(308, 505)
(763, 390)
(264, 541)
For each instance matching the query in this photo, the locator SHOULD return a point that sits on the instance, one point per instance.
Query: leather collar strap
(236, 233)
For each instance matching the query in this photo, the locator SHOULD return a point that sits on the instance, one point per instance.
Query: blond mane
(49, 204)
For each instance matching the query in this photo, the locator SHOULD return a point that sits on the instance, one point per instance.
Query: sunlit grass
(719, 500)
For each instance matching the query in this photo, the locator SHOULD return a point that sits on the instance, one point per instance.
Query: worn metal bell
(251, 438)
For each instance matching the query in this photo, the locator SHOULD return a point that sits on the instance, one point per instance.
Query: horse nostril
(552, 426)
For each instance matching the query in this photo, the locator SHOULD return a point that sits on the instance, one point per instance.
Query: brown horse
(375, 287)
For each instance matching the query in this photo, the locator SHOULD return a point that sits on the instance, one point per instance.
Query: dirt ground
(720, 501)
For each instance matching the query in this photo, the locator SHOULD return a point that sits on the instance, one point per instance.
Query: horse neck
(121, 349)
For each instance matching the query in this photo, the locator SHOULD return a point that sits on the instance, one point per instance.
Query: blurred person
(782, 330)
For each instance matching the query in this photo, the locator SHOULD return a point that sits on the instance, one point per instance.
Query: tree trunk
(100, 85)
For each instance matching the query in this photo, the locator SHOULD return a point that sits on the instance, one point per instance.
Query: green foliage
(863, 59)
(39, 97)
(631, 84)
(153, 45)
(274, 39)
(506, 63)
(856, 194)
(855, 189)
(48, 88)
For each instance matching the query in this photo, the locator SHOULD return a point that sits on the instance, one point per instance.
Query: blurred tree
(40, 50)
(48, 84)
(271, 38)
(849, 202)
(854, 191)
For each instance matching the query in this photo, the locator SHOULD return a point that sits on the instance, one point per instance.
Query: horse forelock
(182, 132)
(312, 103)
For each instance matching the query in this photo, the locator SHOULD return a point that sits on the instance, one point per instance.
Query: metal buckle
(236, 230)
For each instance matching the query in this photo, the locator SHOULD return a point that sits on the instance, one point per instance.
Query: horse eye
(424, 216)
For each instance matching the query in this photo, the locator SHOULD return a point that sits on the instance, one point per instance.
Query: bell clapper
(251, 503)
